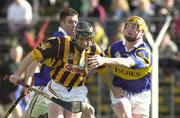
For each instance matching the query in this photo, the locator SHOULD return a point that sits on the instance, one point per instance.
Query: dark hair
(67, 12)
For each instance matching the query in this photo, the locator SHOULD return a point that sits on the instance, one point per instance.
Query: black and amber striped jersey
(66, 60)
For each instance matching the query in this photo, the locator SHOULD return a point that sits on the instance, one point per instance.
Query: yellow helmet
(136, 19)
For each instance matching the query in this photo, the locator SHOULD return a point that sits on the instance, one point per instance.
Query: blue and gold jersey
(137, 78)
(66, 60)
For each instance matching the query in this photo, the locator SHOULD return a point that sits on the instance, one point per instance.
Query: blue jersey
(137, 78)
(57, 34)
(43, 77)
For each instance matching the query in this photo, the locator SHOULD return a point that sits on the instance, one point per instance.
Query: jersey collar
(62, 30)
(135, 46)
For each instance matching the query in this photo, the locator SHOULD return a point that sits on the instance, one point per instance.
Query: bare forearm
(128, 62)
(31, 68)
(23, 65)
(97, 60)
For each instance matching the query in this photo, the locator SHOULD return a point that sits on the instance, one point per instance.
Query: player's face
(132, 32)
(84, 43)
(69, 25)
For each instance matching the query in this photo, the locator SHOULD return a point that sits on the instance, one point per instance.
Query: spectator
(19, 15)
(168, 49)
(81, 6)
(144, 10)
(96, 10)
(176, 31)
(168, 53)
(3, 7)
(7, 89)
(120, 9)
(163, 10)
(106, 4)
(119, 33)
(100, 37)
(133, 4)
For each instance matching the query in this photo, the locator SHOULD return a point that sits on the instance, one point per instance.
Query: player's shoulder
(115, 46)
(143, 51)
(144, 47)
(59, 38)
(51, 38)
(117, 43)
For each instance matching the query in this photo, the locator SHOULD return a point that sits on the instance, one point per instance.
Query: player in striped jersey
(131, 62)
(69, 69)
(37, 105)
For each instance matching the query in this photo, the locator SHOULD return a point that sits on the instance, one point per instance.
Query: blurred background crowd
(26, 23)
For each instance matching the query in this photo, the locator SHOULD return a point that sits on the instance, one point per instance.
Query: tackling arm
(128, 62)
(97, 60)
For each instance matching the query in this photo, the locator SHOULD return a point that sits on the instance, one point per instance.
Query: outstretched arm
(30, 71)
(22, 67)
(97, 60)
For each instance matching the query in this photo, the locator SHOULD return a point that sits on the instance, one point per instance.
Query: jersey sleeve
(47, 49)
(142, 57)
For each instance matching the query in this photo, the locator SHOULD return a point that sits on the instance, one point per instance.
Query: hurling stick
(6, 115)
(74, 107)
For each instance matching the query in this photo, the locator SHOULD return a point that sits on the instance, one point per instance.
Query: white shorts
(37, 104)
(61, 92)
(140, 102)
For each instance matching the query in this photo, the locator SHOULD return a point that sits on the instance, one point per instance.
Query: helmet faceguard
(84, 30)
(84, 34)
(134, 28)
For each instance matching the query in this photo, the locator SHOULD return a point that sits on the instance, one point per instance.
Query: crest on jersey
(117, 54)
(141, 54)
(45, 46)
